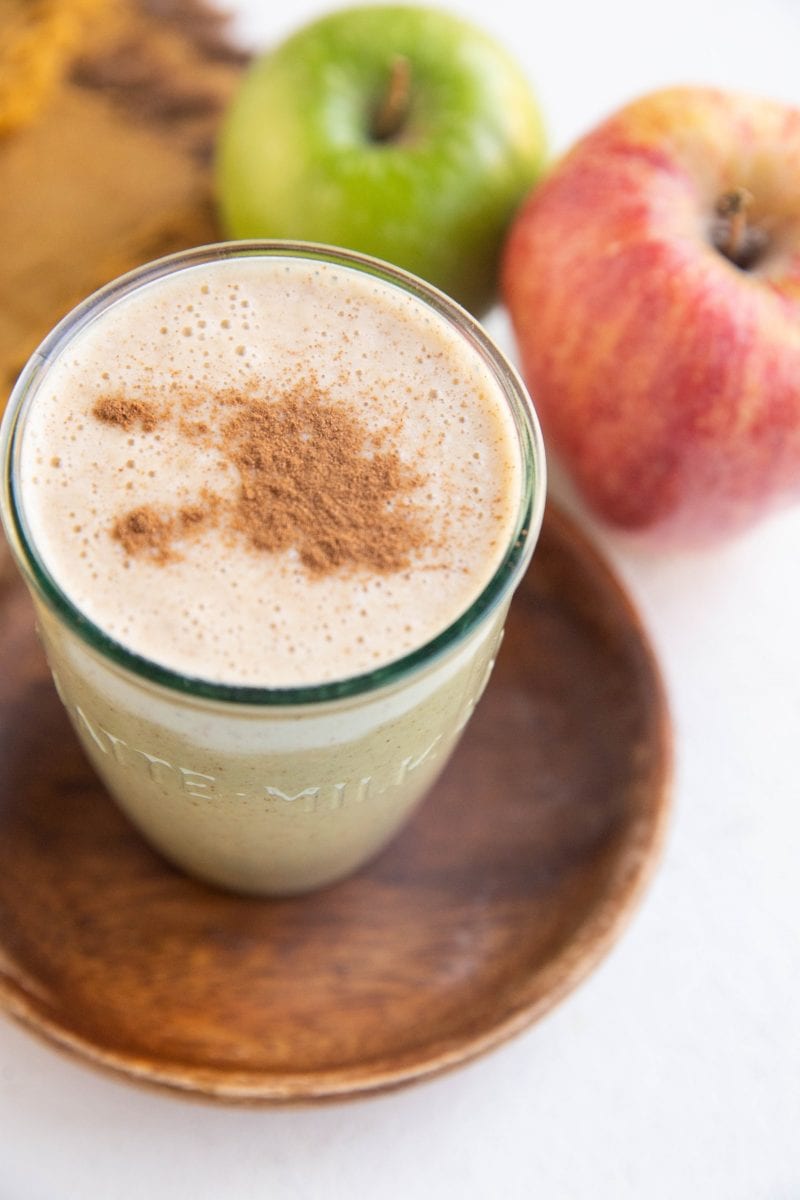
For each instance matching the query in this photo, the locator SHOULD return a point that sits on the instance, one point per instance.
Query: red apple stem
(733, 207)
(393, 108)
(740, 240)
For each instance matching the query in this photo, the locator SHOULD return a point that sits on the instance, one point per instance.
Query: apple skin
(667, 377)
(297, 158)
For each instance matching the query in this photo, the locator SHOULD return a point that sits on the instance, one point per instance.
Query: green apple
(401, 132)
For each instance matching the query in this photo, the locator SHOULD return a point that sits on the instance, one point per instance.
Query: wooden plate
(510, 883)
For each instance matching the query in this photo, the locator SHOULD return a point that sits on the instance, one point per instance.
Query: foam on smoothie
(225, 338)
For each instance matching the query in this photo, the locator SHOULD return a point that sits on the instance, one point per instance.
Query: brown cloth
(115, 167)
(37, 39)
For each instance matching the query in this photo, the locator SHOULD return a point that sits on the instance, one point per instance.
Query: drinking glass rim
(513, 563)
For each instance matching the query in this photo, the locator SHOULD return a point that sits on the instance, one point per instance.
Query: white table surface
(674, 1071)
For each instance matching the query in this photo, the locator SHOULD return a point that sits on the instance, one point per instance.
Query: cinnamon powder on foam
(311, 477)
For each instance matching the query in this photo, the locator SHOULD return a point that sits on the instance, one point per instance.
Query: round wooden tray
(510, 883)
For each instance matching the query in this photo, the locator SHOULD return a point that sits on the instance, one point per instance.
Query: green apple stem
(739, 240)
(393, 108)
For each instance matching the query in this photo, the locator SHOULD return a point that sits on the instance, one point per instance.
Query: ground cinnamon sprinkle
(126, 413)
(146, 532)
(150, 532)
(307, 482)
(312, 477)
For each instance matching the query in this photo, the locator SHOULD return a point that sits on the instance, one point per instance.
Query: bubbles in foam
(220, 609)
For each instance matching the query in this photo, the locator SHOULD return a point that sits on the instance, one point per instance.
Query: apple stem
(393, 109)
(733, 206)
(738, 240)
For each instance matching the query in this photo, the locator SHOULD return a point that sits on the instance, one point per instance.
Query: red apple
(653, 282)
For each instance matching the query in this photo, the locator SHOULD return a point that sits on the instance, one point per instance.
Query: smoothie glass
(270, 790)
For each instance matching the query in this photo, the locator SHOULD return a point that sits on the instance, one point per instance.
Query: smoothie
(264, 487)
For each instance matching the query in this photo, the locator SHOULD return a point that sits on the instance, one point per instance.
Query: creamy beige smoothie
(271, 505)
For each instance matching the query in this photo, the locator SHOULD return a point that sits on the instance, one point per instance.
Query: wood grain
(507, 887)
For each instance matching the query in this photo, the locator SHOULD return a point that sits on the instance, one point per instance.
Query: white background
(675, 1070)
